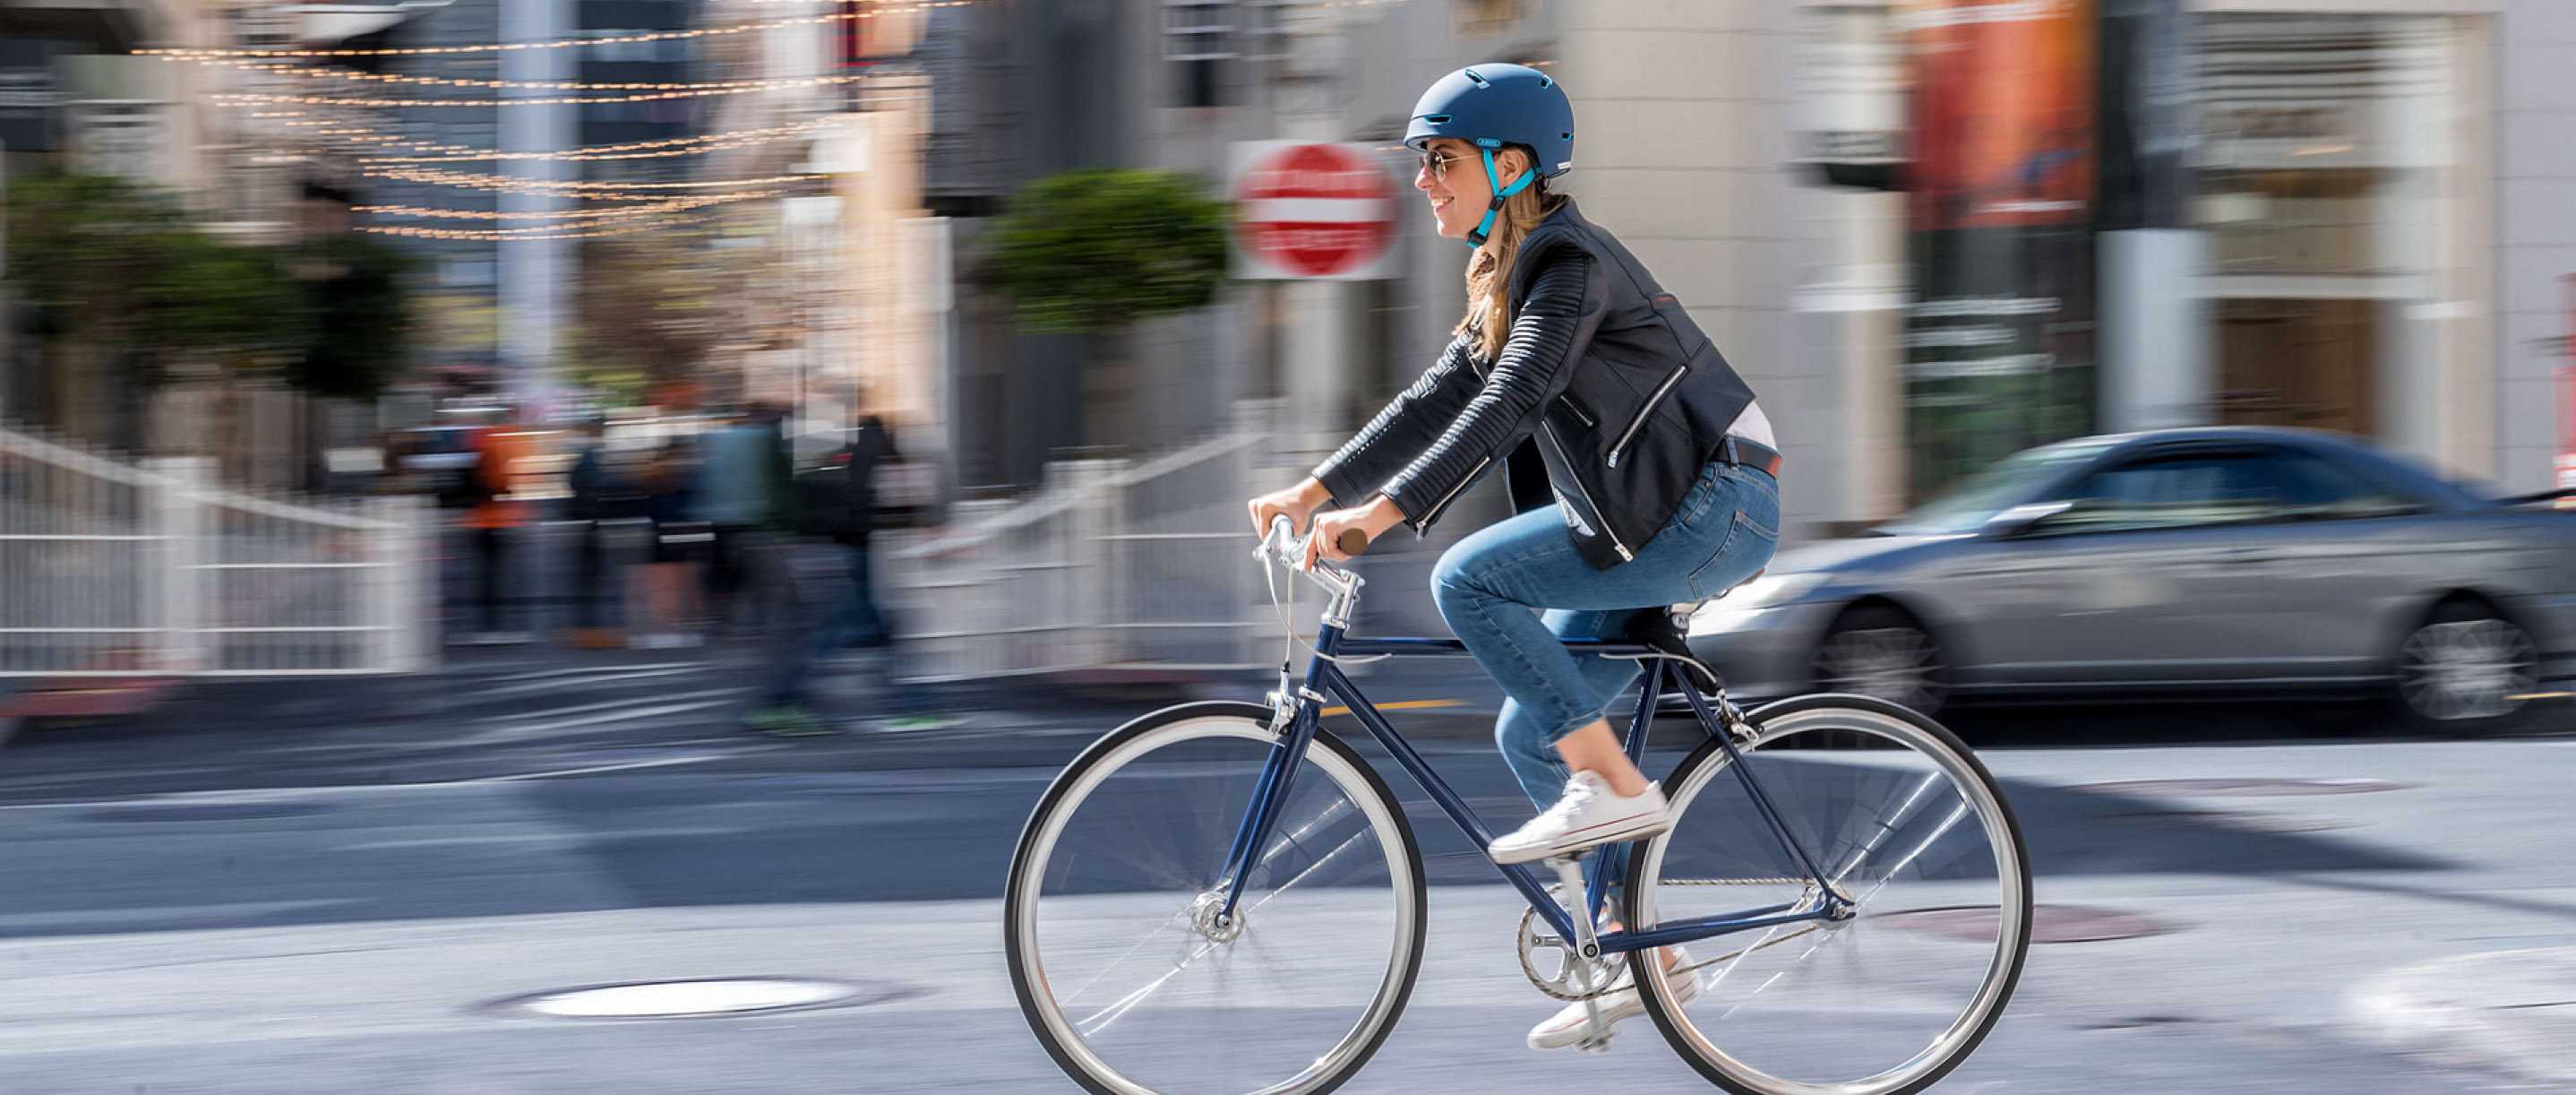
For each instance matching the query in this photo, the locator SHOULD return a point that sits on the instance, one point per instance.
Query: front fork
(1296, 711)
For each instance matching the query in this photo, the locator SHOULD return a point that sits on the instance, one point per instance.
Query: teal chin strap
(1485, 227)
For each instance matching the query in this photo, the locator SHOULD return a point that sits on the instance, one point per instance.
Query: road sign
(1312, 211)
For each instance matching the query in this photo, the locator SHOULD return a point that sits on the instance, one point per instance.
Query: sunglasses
(1437, 163)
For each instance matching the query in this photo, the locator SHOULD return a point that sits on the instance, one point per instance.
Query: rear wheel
(1126, 970)
(2467, 667)
(1914, 834)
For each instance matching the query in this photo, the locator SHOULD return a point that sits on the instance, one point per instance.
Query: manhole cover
(2241, 788)
(2048, 924)
(2234, 820)
(697, 999)
(229, 811)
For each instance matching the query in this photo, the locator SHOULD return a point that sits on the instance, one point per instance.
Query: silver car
(2257, 560)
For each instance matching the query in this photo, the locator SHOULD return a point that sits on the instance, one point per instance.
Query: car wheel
(2466, 667)
(1884, 653)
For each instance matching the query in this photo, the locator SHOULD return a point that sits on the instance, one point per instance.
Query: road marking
(521, 717)
(101, 918)
(628, 713)
(565, 839)
(580, 669)
(583, 682)
(1402, 705)
(661, 762)
(295, 794)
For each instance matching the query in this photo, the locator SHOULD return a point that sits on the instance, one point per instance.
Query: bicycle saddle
(1669, 630)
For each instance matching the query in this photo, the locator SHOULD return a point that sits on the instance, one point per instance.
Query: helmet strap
(1494, 208)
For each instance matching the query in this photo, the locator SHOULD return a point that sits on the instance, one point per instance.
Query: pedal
(1569, 877)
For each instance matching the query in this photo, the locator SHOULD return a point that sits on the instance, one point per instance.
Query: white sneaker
(1566, 1027)
(1588, 814)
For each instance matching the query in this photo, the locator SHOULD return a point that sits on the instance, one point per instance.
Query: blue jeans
(1492, 587)
(853, 621)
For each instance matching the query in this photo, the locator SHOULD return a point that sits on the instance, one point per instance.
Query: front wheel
(1913, 833)
(1126, 970)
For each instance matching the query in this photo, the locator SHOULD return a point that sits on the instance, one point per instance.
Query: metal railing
(110, 569)
(1110, 564)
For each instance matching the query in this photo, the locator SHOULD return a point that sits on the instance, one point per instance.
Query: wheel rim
(1887, 999)
(1898, 664)
(2467, 669)
(1114, 929)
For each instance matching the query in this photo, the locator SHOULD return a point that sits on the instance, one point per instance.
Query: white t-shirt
(1754, 426)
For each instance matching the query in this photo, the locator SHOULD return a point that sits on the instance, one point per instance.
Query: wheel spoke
(1203, 1002)
(1781, 1015)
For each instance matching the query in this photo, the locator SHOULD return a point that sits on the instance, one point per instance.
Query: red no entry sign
(1312, 211)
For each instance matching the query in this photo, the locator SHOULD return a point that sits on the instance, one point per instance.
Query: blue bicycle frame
(1324, 677)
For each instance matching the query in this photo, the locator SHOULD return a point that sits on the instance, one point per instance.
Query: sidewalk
(2513, 1010)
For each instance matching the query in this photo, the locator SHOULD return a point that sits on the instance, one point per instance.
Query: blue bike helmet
(1492, 107)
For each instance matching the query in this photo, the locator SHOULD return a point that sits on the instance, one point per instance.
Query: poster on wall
(2000, 334)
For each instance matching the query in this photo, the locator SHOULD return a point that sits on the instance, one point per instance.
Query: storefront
(2126, 214)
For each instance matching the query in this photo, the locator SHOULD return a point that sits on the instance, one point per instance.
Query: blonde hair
(1489, 269)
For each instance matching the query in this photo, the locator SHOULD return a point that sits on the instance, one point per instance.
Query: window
(2309, 487)
(2171, 492)
(2221, 488)
(1198, 37)
(1198, 30)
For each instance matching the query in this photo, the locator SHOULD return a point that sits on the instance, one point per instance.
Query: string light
(456, 153)
(559, 43)
(443, 81)
(748, 88)
(513, 184)
(634, 150)
(667, 205)
(506, 234)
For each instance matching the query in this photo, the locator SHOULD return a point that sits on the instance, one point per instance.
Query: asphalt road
(334, 888)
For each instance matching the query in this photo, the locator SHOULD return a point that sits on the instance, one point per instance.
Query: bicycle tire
(1019, 923)
(1995, 991)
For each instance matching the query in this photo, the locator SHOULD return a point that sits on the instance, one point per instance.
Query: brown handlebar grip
(1352, 541)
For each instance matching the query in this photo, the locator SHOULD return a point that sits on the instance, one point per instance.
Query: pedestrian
(1643, 471)
(677, 542)
(495, 516)
(600, 497)
(857, 620)
(736, 468)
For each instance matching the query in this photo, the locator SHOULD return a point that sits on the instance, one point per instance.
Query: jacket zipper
(1571, 472)
(1445, 499)
(1589, 422)
(1645, 412)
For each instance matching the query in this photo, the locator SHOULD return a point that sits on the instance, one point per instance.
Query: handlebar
(1283, 547)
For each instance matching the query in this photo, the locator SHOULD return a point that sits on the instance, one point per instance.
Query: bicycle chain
(1607, 969)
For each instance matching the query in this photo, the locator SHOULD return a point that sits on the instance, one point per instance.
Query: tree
(363, 320)
(1094, 252)
(127, 295)
(124, 293)
(649, 309)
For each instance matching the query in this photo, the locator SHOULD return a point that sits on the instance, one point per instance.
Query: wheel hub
(1840, 909)
(1208, 916)
(2467, 669)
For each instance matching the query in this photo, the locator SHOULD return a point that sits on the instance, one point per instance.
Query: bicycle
(1281, 935)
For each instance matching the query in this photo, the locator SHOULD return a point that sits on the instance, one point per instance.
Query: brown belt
(1750, 454)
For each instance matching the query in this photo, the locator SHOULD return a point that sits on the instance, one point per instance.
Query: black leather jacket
(1604, 375)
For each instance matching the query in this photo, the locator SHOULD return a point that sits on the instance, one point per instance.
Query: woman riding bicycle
(1576, 372)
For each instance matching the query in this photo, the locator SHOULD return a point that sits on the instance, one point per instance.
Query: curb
(2510, 1010)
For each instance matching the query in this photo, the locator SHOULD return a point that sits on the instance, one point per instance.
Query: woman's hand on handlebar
(1329, 540)
(1296, 503)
